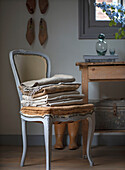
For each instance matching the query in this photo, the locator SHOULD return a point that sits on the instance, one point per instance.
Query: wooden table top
(100, 64)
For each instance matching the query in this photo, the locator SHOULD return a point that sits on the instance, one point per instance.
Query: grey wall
(63, 47)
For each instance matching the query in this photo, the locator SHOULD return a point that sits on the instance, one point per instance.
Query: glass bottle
(101, 45)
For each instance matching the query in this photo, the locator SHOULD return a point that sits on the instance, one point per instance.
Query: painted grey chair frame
(48, 120)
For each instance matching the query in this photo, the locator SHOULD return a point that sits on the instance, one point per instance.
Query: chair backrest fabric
(28, 65)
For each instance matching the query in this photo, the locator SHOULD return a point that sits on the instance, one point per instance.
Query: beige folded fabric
(58, 90)
(50, 90)
(53, 80)
(54, 99)
(38, 88)
(66, 103)
(50, 96)
(53, 103)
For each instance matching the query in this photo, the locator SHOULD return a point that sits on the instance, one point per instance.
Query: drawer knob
(93, 69)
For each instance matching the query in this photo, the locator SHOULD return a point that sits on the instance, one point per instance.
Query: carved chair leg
(48, 140)
(91, 130)
(59, 134)
(73, 133)
(24, 142)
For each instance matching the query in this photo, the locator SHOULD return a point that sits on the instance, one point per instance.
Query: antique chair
(28, 65)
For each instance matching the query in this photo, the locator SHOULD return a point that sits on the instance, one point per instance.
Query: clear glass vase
(101, 45)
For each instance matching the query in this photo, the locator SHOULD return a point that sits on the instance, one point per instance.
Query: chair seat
(57, 111)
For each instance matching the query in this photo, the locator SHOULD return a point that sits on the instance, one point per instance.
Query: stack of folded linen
(58, 90)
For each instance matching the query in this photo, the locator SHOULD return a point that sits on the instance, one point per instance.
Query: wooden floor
(105, 158)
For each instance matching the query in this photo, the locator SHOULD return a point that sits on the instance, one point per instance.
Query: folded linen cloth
(50, 90)
(62, 97)
(58, 90)
(36, 89)
(66, 103)
(52, 80)
(50, 96)
(54, 103)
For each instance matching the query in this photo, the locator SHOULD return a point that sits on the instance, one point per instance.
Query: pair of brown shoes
(31, 5)
(30, 34)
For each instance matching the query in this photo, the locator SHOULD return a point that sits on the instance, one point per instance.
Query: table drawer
(106, 72)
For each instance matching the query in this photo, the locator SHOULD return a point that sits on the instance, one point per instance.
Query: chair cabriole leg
(48, 140)
(24, 142)
(91, 130)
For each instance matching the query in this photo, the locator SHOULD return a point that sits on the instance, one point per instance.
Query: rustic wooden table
(98, 72)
